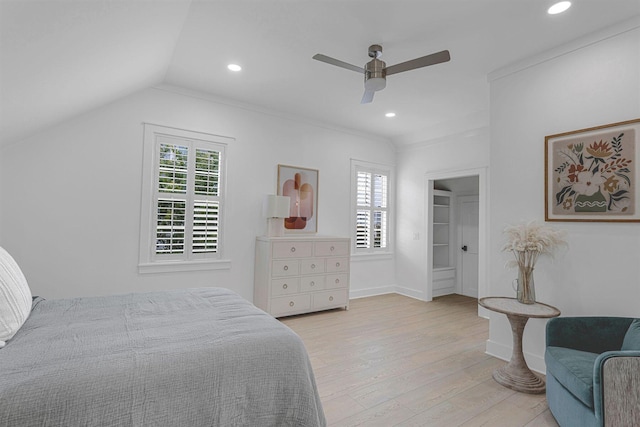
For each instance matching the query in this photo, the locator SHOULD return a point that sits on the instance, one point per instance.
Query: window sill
(372, 256)
(179, 266)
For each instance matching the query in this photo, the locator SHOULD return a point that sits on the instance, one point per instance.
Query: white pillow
(15, 297)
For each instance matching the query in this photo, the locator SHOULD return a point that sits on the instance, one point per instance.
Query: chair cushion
(15, 297)
(574, 370)
(632, 337)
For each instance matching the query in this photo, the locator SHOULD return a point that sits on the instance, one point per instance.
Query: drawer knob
(293, 249)
(337, 280)
(337, 264)
(313, 266)
(312, 283)
(285, 286)
(330, 298)
(291, 304)
(286, 267)
(332, 248)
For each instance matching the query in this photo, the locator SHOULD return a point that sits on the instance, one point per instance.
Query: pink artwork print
(302, 201)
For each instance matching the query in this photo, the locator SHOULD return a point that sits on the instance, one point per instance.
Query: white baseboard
(411, 293)
(501, 351)
(390, 289)
(371, 292)
(483, 312)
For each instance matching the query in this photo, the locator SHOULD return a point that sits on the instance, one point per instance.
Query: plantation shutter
(172, 198)
(363, 213)
(206, 214)
(205, 226)
(188, 199)
(380, 211)
(371, 210)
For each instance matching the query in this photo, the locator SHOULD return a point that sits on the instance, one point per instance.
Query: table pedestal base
(516, 375)
(523, 381)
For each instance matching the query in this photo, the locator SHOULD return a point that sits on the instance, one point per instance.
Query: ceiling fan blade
(434, 58)
(337, 62)
(367, 97)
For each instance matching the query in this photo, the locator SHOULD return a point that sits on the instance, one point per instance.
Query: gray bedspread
(200, 357)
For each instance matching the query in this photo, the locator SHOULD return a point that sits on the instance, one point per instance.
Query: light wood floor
(395, 361)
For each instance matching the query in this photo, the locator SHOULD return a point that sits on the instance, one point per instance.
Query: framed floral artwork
(301, 185)
(591, 174)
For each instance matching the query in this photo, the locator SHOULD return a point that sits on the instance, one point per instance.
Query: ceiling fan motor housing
(374, 75)
(375, 78)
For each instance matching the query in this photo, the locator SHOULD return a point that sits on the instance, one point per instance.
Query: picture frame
(591, 175)
(301, 185)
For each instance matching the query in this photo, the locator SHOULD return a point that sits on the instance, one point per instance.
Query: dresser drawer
(290, 267)
(311, 283)
(334, 298)
(336, 281)
(335, 265)
(292, 249)
(285, 286)
(331, 248)
(312, 266)
(295, 303)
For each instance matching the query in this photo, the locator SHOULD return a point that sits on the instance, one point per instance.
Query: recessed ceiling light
(559, 7)
(390, 115)
(234, 67)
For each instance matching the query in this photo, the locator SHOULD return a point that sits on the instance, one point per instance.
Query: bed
(198, 357)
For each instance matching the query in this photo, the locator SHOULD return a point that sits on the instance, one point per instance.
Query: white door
(468, 208)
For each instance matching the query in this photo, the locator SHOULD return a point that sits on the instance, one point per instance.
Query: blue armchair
(593, 371)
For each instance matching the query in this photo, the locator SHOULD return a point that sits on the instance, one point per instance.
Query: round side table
(516, 375)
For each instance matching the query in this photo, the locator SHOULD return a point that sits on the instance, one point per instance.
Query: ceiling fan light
(375, 84)
(559, 7)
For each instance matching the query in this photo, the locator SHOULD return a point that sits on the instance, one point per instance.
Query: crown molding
(567, 48)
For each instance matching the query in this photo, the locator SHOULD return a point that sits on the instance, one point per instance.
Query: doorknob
(464, 248)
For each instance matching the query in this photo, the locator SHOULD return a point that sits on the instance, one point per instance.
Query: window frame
(380, 169)
(188, 260)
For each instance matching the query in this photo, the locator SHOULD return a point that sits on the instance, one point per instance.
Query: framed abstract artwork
(592, 174)
(301, 185)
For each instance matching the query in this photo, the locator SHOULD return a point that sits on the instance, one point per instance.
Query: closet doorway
(467, 234)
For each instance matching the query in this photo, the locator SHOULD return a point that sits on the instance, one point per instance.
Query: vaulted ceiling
(59, 59)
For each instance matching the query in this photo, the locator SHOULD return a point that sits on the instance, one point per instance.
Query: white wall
(457, 152)
(70, 210)
(592, 82)
(1, 199)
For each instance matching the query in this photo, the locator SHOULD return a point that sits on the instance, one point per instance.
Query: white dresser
(296, 275)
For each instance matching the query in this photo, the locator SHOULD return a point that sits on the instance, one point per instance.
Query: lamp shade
(276, 206)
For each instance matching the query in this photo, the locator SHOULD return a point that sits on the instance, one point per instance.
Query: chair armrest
(592, 334)
(616, 388)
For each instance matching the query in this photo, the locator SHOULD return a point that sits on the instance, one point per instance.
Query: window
(371, 207)
(183, 200)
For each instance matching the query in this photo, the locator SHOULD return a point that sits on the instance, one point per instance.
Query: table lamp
(276, 208)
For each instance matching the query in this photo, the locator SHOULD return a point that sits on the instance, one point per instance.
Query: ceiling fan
(376, 71)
